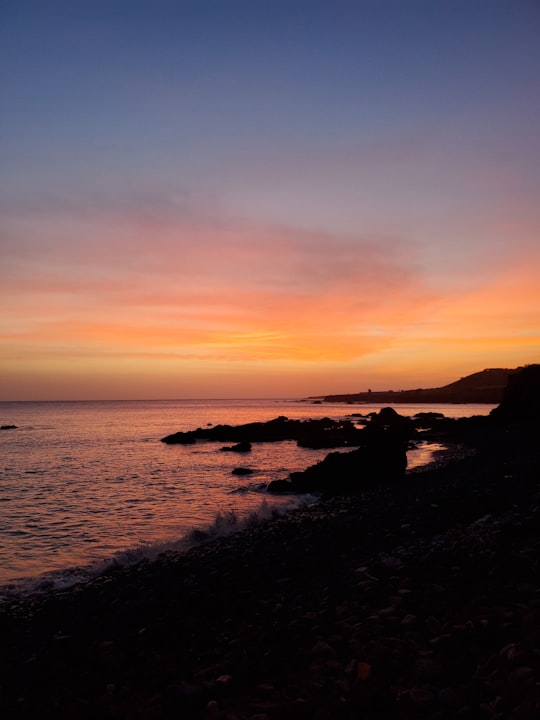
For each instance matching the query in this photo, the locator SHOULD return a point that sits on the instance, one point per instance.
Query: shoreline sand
(412, 600)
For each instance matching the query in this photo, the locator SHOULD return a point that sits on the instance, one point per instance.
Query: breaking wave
(224, 523)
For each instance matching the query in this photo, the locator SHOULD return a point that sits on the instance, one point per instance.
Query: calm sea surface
(82, 483)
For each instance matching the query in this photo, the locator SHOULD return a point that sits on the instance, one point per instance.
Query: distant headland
(486, 386)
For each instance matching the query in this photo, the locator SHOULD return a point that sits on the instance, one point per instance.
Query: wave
(224, 523)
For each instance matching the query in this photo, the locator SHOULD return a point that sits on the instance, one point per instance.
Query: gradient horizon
(212, 200)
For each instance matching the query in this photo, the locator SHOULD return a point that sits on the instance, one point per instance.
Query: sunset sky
(212, 198)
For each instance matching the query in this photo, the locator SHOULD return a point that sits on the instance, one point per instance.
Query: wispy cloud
(222, 289)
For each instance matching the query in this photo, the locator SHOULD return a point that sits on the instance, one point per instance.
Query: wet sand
(412, 600)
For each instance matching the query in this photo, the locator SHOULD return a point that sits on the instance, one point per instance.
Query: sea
(88, 485)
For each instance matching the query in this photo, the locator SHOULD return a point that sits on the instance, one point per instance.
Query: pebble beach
(419, 599)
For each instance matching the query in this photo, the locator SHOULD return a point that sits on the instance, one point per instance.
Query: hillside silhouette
(486, 386)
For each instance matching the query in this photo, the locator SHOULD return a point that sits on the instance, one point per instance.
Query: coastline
(419, 598)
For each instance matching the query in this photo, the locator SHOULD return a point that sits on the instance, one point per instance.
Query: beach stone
(224, 679)
(433, 625)
(451, 698)
(409, 620)
(322, 714)
(189, 690)
(421, 696)
(427, 669)
(323, 649)
(523, 676)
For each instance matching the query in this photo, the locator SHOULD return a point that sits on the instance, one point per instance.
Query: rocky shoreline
(413, 600)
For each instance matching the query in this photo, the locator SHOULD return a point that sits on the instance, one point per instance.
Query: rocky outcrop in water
(320, 433)
(382, 458)
(241, 447)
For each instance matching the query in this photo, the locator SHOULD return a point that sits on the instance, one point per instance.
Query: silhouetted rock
(8, 427)
(323, 432)
(382, 459)
(280, 487)
(390, 419)
(241, 447)
(329, 434)
(242, 471)
(521, 400)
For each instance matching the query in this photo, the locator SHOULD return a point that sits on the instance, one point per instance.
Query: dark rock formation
(322, 432)
(241, 447)
(389, 419)
(381, 459)
(8, 427)
(329, 434)
(521, 401)
(242, 471)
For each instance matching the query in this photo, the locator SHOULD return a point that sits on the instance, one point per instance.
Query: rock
(421, 696)
(319, 432)
(521, 399)
(388, 418)
(224, 679)
(523, 676)
(428, 417)
(241, 447)
(382, 459)
(323, 649)
(328, 433)
(181, 438)
(242, 471)
(280, 486)
(409, 620)
(451, 698)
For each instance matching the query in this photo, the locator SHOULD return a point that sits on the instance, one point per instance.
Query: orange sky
(186, 309)
(261, 200)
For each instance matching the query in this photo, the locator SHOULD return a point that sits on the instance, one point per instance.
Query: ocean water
(84, 484)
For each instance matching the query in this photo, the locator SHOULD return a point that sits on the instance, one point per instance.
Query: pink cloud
(235, 290)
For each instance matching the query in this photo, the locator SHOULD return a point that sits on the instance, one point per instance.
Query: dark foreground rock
(418, 600)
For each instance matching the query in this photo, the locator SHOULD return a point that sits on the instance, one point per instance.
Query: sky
(212, 198)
